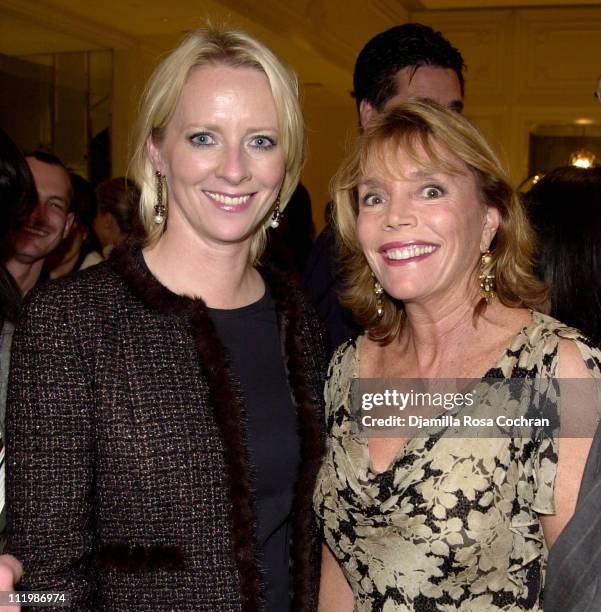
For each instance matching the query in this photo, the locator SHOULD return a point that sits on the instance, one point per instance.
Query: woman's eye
(431, 192)
(202, 139)
(262, 142)
(371, 199)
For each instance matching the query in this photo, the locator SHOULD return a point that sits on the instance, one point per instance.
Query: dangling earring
(277, 216)
(379, 291)
(159, 208)
(487, 280)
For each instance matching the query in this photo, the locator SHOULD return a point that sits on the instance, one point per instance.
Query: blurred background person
(46, 226)
(18, 197)
(289, 245)
(565, 209)
(81, 243)
(117, 217)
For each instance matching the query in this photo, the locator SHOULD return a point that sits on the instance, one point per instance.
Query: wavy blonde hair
(416, 127)
(161, 96)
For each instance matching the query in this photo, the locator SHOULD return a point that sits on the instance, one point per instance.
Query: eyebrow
(369, 182)
(416, 175)
(215, 128)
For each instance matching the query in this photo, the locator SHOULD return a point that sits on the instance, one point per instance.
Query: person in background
(565, 210)
(165, 406)
(11, 571)
(81, 244)
(117, 217)
(290, 245)
(18, 197)
(438, 253)
(410, 61)
(47, 225)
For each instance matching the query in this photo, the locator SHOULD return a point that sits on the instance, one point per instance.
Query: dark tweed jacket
(127, 477)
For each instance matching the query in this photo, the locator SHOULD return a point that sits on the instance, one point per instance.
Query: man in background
(410, 61)
(47, 225)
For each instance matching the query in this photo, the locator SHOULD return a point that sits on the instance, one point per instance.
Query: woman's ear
(491, 225)
(154, 154)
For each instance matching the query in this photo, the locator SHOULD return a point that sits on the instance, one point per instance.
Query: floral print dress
(453, 523)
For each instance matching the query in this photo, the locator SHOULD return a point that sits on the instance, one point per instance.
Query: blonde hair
(162, 93)
(414, 127)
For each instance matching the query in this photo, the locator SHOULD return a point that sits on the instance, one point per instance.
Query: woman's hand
(10, 573)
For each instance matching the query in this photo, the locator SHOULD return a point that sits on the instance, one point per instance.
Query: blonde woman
(164, 429)
(438, 267)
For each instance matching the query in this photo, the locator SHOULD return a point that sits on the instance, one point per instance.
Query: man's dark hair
(47, 158)
(53, 160)
(565, 210)
(410, 44)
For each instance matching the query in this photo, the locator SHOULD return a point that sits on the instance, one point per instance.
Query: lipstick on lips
(230, 202)
(406, 252)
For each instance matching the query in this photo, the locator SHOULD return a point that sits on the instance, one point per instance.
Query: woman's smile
(403, 253)
(230, 202)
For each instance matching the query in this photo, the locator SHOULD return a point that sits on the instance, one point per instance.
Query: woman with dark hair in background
(565, 209)
(18, 197)
(117, 216)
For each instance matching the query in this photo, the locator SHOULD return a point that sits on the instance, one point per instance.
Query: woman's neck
(431, 333)
(220, 274)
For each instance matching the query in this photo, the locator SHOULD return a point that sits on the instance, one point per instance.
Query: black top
(250, 335)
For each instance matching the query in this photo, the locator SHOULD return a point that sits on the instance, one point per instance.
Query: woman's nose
(234, 166)
(399, 213)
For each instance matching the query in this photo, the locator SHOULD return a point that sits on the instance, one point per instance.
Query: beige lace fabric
(453, 524)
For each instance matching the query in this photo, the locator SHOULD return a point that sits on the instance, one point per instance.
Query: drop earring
(160, 210)
(379, 292)
(276, 217)
(487, 280)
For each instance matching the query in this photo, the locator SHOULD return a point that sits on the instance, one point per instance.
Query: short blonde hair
(414, 127)
(162, 94)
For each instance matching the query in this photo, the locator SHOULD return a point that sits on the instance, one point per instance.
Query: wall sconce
(582, 159)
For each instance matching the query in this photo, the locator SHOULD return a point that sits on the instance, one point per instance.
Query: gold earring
(276, 217)
(160, 210)
(487, 279)
(379, 291)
